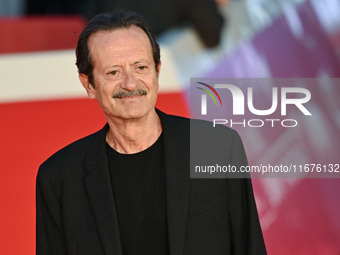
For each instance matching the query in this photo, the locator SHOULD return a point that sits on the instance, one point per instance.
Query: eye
(114, 72)
(142, 68)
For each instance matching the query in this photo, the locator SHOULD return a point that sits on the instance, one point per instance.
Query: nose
(129, 81)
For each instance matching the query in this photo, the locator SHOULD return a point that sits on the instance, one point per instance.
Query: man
(127, 189)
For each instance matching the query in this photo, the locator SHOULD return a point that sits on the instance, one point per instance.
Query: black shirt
(138, 182)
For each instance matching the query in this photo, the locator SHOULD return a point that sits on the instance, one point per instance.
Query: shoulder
(71, 155)
(199, 131)
(185, 123)
(212, 136)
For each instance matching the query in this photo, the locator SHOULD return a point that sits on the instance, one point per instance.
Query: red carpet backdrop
(43, 107)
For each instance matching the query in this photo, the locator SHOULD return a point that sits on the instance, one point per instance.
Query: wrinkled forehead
(119, 37)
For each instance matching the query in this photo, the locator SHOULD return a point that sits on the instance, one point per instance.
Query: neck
(134, 135)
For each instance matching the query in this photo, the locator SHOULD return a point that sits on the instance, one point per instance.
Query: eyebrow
(139, 61)
(134, 63)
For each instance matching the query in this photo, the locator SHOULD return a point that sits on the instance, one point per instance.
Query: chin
(135, 113)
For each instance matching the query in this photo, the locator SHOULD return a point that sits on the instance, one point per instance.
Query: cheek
(103, 96)
(153, 83)
(157, 86)
(106, 89)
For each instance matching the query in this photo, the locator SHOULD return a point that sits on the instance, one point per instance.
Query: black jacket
(76, 211)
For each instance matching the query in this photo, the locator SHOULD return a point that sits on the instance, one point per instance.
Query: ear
(159, 68)
(84, 79)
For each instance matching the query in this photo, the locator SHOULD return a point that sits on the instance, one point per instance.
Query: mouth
(130, 94)
(130, 97)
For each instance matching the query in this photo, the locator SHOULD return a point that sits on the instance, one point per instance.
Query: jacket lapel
(176, 140)
(98, 185)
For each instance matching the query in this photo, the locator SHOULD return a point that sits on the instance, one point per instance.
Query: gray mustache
(137, 92)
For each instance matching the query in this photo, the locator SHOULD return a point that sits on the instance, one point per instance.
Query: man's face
(126, 81)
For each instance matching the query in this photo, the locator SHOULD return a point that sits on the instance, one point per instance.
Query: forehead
(119, 39)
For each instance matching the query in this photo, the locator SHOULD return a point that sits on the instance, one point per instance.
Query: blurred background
(43, 106)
